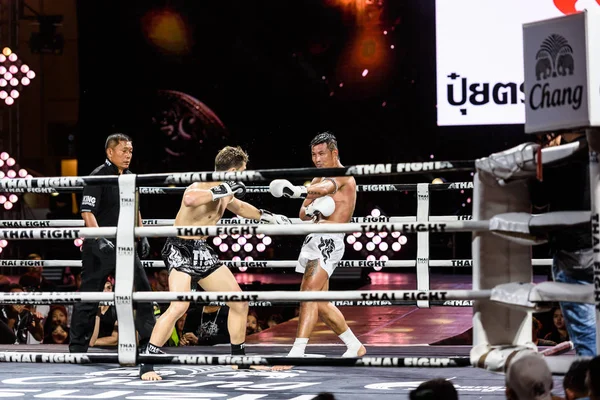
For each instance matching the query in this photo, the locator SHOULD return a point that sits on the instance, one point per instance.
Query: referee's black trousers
(96, 268)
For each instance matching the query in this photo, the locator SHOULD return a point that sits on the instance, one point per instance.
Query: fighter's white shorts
(328, 248)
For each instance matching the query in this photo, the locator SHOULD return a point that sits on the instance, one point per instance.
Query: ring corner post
(423, 243)
(128, 211)
(593, 138)
(497, 261)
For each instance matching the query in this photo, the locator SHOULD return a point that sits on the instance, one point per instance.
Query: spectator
(570, 248)
(20, 321)
(30, 282)
(574, 380)
(252, 325)
(273, 320)
(434, 389)
(58, 315)
(536, 327)
(206, 326)
(106, 326)
(529, 378)
(161, 280)
(593, 378)
(42, 284)
(558, 333)
(57, 334)
(324, 396)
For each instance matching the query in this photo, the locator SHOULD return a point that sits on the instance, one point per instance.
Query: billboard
(479, 56)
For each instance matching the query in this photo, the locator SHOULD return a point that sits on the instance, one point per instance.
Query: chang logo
(554, 60)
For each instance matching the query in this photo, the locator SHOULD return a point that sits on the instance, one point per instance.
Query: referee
(100, 207)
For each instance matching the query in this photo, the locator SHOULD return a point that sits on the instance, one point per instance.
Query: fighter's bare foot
(362, 351)
(254, 367)
(281, 367)
(151, 376)
(358, 353)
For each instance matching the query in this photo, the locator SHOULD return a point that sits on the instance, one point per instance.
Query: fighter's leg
(222, 280)
(178, 282)
(334, 319)
(313, 280)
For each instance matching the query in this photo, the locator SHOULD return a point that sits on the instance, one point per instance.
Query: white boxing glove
(267, 217)
(284, 188)
(324, 206)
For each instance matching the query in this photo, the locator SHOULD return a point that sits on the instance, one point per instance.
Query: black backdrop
(258, 65)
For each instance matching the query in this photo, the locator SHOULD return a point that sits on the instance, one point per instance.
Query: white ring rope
(186, 178)
(456, 263)
(267, 229)
(44, 223)
(376, 187)
(272, 296)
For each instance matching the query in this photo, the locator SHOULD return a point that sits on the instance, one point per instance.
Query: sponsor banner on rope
(596, 247)
(29, 183)
(22, 263)
(479, 57)
(55, 233)
(216, 176)
(406, 228)
(557, 55)
(32, 190)
(375, 169)
(25, 224)
(207, 298)
(33, 297)
(406, 296)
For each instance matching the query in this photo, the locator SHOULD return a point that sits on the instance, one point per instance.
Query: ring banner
(248, 360)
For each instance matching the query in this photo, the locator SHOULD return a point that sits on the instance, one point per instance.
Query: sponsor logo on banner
(556, 74)
(127, 201)
(151, 190)
(25, 224)
(125, 250)
(554, 59)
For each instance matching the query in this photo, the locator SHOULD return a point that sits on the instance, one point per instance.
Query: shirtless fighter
(327, 201)
(192, 258)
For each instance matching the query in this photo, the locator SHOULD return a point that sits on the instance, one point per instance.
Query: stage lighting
(13, 76)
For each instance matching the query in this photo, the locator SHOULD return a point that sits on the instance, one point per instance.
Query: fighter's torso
(202, 215)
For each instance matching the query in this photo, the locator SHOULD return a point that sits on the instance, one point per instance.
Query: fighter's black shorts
(191, 256)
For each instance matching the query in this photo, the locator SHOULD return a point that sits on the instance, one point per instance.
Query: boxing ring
(214, 361)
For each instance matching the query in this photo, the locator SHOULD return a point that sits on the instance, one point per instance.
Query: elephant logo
(554, 58)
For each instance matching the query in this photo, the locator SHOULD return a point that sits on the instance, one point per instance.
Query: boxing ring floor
(401, 331)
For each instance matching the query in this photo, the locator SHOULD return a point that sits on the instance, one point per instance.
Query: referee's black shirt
(103, 201)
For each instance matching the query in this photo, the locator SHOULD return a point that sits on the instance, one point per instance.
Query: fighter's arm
(320, 187)
(195, 196)
(314, 183)
(243, 209)
(323, 187)
(247, 210)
